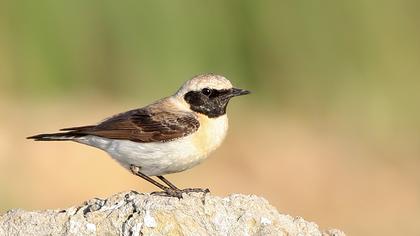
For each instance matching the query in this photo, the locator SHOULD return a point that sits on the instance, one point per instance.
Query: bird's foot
(169, 192)
(196, 190)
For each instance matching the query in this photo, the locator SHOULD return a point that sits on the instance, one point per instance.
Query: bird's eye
(206, 91)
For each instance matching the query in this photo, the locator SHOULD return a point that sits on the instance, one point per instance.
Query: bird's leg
(166, 190)
(171, 185)
(136, 171)
(172, 190)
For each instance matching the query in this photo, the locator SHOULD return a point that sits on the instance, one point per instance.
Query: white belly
(160, 158)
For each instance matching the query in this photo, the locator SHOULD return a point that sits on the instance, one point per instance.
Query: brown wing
(143, 126)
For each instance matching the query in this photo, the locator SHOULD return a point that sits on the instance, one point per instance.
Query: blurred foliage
(351, 58)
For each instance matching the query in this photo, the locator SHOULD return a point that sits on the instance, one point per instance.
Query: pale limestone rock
(132, 213)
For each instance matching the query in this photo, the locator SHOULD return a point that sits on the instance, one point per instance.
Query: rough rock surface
(131, 213)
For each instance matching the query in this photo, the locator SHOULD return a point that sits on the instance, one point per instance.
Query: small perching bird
(168, 136)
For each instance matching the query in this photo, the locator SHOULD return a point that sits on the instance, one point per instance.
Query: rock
(131, 213)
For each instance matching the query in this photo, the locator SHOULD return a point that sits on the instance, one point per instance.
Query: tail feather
(56, 136)
(69, 134)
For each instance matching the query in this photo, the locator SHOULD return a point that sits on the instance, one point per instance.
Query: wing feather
(144, 125)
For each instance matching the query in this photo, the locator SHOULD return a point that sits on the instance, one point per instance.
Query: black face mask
(212, 102)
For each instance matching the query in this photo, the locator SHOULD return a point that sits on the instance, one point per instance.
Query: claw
(178, 193)
(196, 190)
(169, 193)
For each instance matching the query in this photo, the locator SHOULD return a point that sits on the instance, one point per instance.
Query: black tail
(70, 134)
(65, 136)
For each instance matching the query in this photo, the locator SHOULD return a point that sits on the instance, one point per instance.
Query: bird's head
(209, 94)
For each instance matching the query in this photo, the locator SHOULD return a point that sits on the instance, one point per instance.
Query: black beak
(238, 92)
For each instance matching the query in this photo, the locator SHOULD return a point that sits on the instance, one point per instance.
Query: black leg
(136, 171)
(171, 185)
(171, 191)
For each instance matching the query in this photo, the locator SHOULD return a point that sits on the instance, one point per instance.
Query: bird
(170, 135)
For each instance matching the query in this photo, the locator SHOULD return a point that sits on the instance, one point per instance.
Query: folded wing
(140, 125)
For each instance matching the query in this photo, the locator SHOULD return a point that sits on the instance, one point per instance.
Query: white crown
(199, 82)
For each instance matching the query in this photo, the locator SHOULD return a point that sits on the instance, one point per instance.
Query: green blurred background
(331, 131)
